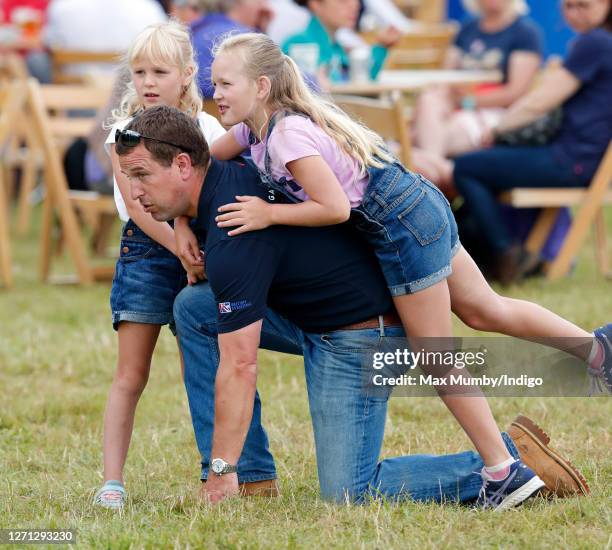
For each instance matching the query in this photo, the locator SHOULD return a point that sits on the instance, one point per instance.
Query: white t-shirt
(211, 129)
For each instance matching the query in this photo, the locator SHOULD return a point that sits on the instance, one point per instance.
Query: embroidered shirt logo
(229, 307)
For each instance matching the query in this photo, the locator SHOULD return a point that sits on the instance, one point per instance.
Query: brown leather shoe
(561, 477)
(264, 488)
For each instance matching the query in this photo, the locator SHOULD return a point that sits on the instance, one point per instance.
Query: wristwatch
(220, 467)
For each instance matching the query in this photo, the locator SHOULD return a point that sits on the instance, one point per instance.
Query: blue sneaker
(601, 379)
(520, 484)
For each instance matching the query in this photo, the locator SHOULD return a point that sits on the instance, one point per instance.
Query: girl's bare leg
(136, 344)
(426, 315)
(434, 106)
(480, 307)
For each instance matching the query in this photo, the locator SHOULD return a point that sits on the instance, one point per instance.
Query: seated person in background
(98, 26)
(499, 38)
(328, 17)
(220, 18)
(582, 85)
(186, 11)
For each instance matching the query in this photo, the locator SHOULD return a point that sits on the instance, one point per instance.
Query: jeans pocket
(349, 341)
(425, 218)
(132, 250)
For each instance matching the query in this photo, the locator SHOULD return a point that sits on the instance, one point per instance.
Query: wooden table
(407, 81)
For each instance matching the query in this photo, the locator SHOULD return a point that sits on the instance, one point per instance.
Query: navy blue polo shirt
(492, 50)
(320, 278)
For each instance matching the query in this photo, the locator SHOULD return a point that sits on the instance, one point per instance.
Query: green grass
(57, 355)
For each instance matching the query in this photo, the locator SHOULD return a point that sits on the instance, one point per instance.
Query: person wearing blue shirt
(223, 17)
(582, 85)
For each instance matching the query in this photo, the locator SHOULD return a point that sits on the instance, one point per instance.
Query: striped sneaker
(520, 484)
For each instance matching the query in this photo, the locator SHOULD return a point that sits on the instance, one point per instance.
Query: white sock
(497, 471)
(595, 358)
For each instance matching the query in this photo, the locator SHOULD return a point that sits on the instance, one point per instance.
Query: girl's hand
(249, 213)
(195, 274)
(187, 246)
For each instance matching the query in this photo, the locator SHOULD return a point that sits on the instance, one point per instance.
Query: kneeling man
(315, 291)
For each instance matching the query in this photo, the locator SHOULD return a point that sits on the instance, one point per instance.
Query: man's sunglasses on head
(131, 138)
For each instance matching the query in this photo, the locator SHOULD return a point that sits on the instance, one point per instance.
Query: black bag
(538, 132)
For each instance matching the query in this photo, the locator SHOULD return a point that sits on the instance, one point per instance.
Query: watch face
(217, 465)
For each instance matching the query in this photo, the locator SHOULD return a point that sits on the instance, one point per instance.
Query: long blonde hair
(167, 44)
(288, 91)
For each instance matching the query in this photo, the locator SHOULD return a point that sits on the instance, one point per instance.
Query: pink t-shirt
(295, 137)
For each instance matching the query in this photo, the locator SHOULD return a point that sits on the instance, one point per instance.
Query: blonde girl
(148, 274)
(333, 167)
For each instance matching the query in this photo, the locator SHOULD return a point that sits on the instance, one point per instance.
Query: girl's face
(584, 15)
(236, 96)
(158, 84)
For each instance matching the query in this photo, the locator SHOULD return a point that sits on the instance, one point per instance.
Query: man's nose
(135, 190)
(217, 94)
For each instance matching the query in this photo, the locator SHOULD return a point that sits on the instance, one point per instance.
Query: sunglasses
(131, 138)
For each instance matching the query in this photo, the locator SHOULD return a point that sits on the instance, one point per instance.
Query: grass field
(57, 355)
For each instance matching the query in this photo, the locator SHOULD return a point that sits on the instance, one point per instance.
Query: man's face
(336, 14)
(160, 190)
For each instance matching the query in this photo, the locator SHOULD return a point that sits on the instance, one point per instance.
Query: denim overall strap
(269, 182)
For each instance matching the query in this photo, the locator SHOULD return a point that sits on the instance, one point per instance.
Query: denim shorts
(147, 279)
(411, 227)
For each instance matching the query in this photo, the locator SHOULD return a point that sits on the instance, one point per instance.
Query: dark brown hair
(168, 124)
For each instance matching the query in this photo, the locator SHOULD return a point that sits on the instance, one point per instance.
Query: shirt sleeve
(293, 141)
(529, 38)
(211, 127)
(241, 132)
(584, 58)
(240, 271)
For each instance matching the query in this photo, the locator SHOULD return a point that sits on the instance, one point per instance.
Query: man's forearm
(234, 397)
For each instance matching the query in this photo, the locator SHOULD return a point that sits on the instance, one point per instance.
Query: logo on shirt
(229, 307)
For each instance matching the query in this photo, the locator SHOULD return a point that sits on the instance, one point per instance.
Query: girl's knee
(131, 378)
(485, 315)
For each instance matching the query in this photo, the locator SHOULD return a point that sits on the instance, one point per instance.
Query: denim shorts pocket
(132, 250)
(347, 341)
(425, 218)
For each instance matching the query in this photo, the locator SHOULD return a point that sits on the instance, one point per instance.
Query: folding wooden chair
(48, 106)
(424, 48)
(589, 202)
(61, 60)
(386, 116)
(11, 104)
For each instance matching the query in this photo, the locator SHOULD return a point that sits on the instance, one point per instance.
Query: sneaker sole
(521, 494)
(542, 439)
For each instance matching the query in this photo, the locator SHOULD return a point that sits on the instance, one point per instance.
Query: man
(222, 17)
(324, 281)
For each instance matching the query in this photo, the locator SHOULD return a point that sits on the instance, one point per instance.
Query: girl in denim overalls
(335, 168)
(148, 275)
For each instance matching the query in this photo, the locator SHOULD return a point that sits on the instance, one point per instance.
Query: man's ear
(183, 161)
(263, 87)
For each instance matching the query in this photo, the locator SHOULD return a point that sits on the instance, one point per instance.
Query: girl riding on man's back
(334, 168)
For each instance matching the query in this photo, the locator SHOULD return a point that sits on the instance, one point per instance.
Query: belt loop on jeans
(381, 326)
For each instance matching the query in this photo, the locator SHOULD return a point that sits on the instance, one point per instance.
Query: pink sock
(596, 357)
(499, 471)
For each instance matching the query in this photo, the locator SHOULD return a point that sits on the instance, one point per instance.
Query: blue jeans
(348, 423)
(480, 176)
